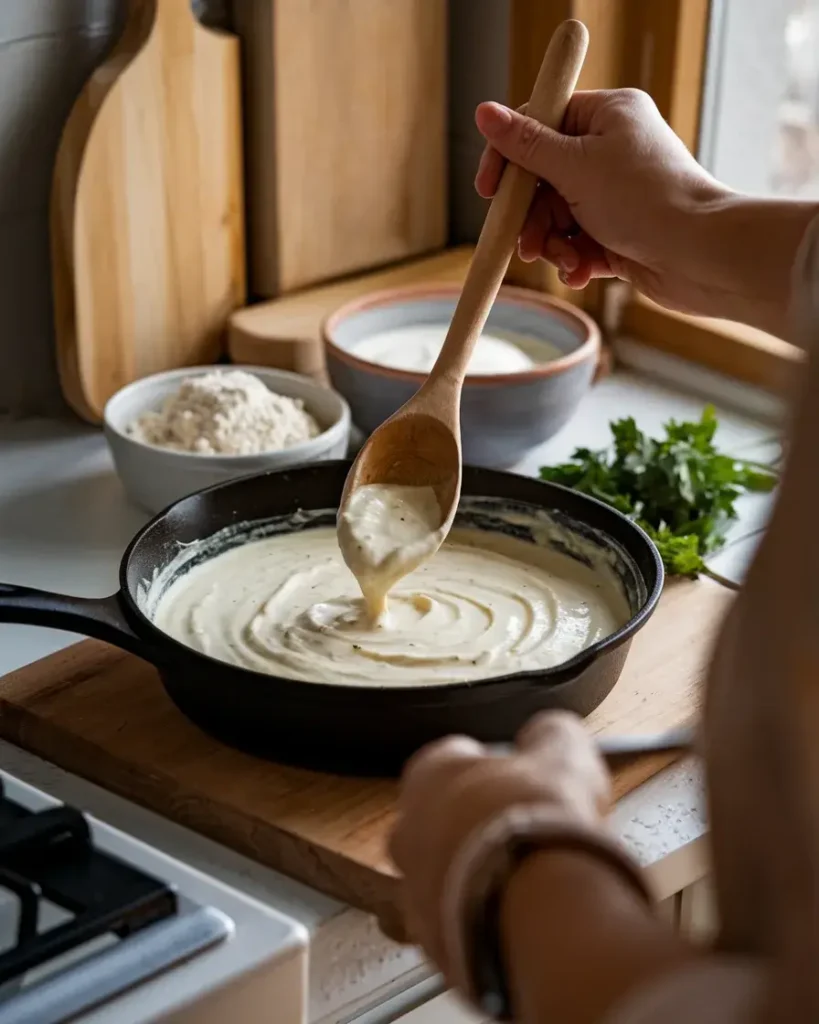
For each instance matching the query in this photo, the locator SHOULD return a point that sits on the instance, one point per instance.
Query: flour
(226, 412)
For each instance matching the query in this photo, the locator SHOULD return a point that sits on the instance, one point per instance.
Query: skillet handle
(100, 617)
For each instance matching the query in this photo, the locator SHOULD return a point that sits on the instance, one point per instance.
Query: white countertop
(64, 523)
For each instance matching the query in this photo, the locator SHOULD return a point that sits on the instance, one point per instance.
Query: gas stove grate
(50, 855)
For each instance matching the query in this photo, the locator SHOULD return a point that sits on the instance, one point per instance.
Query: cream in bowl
(534, 362)
(415, 349)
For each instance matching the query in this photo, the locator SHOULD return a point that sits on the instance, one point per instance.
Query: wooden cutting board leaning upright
(346, 135)
(147, 212)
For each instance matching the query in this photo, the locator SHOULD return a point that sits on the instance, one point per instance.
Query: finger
(392, 924)
(584, 274)
(421, 929)
(559, 743)
(561, 738)
(490, 171)
(538, 226)
(524, 141)
(550, 727)
(576, 279)
(546, 231)
(564, 222)
(562, 252)
(402, 925)
(578, 120)
(425, 775)
(436, 758)
(579, 259)
(585, 104)
(405, 921)
(593, 262)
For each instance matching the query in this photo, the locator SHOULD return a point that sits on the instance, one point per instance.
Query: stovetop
(92, 919)
(49, 855)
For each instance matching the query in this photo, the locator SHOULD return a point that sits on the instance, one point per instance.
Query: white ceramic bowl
(503, 416)
(155, 477)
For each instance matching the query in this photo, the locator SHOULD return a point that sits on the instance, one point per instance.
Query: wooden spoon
(615, 749)
(420, 444)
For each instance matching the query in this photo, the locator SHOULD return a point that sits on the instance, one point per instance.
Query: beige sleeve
(718, 990)
(804, 312)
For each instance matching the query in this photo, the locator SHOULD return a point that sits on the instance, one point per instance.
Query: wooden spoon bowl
(418, 447)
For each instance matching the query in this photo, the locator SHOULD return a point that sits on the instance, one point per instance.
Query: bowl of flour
(181, 431)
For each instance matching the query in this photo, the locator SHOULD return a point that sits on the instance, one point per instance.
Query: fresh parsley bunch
(679, 488)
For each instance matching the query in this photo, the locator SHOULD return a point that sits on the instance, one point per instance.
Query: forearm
(760, 734)
(577, 939)
(741, 251)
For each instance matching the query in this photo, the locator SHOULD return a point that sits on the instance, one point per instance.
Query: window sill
(730, 349)
(684, 375)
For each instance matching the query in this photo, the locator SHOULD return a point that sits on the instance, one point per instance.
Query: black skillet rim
(557, 675)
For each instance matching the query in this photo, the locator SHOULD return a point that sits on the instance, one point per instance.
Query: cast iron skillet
(347, 728)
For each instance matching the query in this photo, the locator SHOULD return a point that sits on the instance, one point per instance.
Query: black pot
(342, 727)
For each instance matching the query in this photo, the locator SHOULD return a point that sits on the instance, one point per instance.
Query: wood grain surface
(346, 135)
(104, 714)
(147, 218)
(262, 334)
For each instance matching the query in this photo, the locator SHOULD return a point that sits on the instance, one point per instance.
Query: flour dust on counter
(486, 605)
(416, 347)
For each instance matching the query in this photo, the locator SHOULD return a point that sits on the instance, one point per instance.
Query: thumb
(526, 142)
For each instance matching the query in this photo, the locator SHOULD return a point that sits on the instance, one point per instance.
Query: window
(738, 80)
(728, 75)
(760, 117)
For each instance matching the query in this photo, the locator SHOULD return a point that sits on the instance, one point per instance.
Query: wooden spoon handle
(615, 748)
(553, 89)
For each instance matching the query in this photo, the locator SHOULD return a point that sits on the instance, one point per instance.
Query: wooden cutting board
(270, 333)
(103, 714)
(346, 135)
(147, 207)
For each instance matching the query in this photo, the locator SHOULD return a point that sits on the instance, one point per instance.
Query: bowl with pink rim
(537, 358)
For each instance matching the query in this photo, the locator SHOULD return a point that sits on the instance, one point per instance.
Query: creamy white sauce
(416, 348)
(485, 605)
(384, 532)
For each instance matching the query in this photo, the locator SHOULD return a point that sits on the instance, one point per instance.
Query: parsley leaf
(679, 488)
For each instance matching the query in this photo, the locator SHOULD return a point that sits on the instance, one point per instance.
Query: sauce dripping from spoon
(386, 531)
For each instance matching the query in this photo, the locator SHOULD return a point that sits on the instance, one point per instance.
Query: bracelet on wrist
(476, 883)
